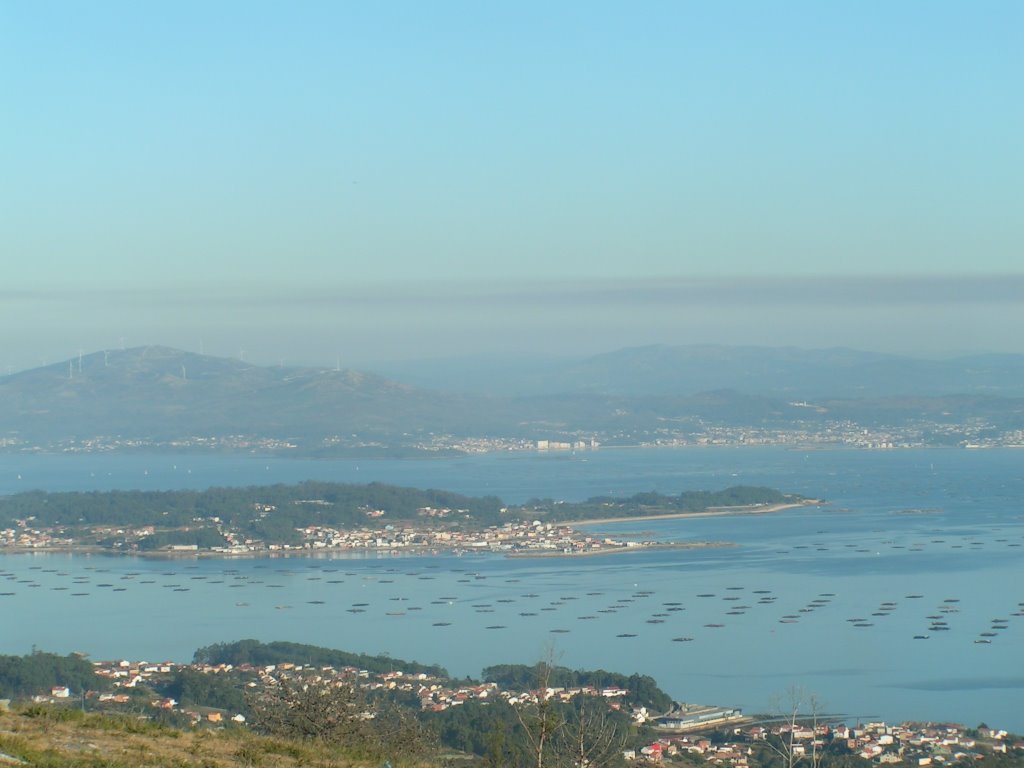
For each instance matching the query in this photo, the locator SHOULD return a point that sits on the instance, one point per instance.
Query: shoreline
(755, 509)
(434, 550)
(654, 546)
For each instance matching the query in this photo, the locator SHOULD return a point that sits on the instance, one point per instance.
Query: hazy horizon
(375, 183)
(934, 317)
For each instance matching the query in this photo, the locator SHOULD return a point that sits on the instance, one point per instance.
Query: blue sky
(184, 170)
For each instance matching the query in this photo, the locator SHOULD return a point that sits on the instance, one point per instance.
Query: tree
(559, 735)
(785, 746)
(540, 720)
(592, 740)
(339, 713)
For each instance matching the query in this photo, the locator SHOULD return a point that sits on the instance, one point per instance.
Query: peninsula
(330, 518)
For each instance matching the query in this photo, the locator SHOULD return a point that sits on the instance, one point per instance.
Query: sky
(375, 181)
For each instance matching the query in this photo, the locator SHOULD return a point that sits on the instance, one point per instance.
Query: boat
(624, 634)
(682, 639)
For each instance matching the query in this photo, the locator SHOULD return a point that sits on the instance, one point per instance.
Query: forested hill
(38, 672)
(278, 652)
(337, 504)
(643, 689)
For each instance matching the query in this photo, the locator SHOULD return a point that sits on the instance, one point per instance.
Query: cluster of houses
(437, 697)
(511, 537)
(25, 536)
(685, 732)
(434, 693)
(921, 744)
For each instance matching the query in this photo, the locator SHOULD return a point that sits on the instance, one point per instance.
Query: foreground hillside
(325, 712)
(67, 738)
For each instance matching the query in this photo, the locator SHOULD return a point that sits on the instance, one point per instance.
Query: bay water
(879, 602)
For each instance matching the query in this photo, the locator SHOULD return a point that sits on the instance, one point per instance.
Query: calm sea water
(907, 535)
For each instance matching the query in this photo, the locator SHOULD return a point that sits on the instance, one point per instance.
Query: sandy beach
(643, 547)
(757, 509)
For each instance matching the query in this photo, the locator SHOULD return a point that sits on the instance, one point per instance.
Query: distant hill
(163, 393)
(177, 399)
(686, 370)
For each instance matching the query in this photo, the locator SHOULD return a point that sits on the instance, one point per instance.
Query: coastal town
(522, 539)
(719, 736)
(847, 434)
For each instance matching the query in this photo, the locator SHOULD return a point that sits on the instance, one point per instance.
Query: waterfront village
(721, 736)
(512, 538)
(800, 435)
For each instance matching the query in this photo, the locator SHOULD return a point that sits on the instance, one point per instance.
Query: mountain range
(662, 370)
(165, 395)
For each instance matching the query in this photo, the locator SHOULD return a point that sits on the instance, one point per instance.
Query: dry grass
(97, 741)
